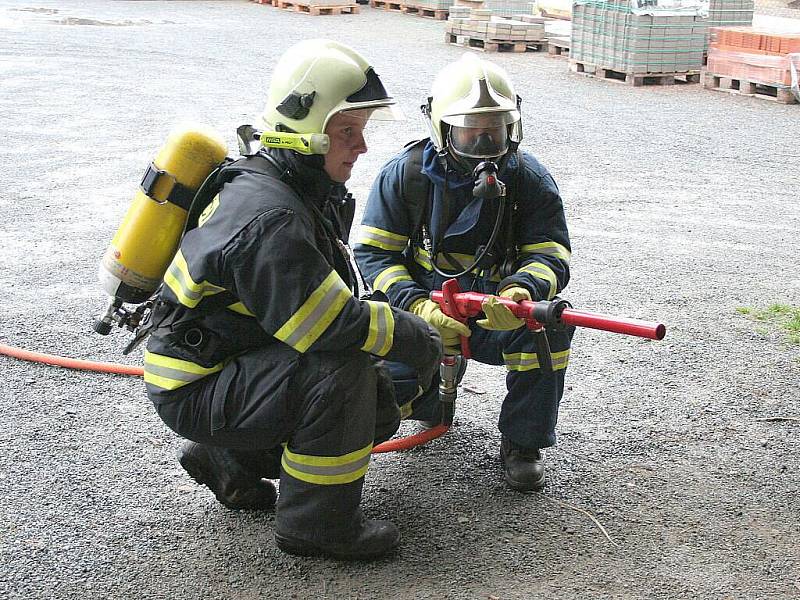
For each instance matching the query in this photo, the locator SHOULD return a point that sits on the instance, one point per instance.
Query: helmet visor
(389, 112)
(484, 135)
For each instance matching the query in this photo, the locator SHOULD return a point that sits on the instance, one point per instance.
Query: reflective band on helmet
(327, 470)
(381, 329)
(528, 361)
(542, 271)
(317, 313)
(186, 290)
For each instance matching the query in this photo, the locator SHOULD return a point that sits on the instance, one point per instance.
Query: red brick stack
(753, 55)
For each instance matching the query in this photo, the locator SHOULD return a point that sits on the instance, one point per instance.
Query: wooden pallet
(439, 14)
(313, 9)
(558, 46)
(744, 87)
(492, 45)
(633, 79)
(398, 6)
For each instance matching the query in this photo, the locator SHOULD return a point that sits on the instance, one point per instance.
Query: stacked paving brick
(499, 8)
(467, 25)
(433, 4)
(730, 12)
(755, 62)
(557, 9)
(627, 39)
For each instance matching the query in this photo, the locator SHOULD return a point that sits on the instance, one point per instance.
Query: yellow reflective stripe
(316, 314)
(186, 290)
(423, 259)
(208, 211)
(240, 308)
(327, 470)
(381, 329)
(549, 248)
(542, 271)
(380, 238)
(406, 409)
(171, 373)
(527, 361)
(390, 276)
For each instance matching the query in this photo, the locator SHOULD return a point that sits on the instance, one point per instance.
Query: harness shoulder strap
(415, 187)
(222, 174)
(510, 253)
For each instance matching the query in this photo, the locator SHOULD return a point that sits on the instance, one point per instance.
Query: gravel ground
(682, 206)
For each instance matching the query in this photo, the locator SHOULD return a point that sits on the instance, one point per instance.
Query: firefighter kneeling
(468, 204)
(261, 354)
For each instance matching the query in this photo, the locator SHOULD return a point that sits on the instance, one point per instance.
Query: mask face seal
(476, 137)
(470, 142)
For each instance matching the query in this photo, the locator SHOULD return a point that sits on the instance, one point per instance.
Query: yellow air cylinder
(147, 239)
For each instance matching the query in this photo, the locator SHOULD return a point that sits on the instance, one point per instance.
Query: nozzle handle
(543, 354)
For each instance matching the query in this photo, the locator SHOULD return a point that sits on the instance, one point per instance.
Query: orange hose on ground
(70, 363)
(411, 441)
(399, 444)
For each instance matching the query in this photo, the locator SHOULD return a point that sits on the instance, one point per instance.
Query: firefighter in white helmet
(262, 355)
(436, 211)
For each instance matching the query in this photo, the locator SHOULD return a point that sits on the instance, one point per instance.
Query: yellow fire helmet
(473, 111)
(316, 79)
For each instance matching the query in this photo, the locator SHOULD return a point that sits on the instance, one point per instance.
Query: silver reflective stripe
(172, 373)
(328, 470)
(315, 316)
(185, 289)
(381, 329)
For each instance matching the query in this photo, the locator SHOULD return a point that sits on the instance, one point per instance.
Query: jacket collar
(306, 174)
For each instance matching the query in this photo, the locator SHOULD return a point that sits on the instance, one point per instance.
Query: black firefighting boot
(524, 467)
(235, 476)
(325, 520)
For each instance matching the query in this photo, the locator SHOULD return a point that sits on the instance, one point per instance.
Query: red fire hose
(457, 304)
(70, 363)
(397, 445)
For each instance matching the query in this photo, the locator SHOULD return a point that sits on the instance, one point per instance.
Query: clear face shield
(367, 114)
(483, 136)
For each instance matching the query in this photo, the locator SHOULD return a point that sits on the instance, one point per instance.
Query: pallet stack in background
(623, 41)
(434, 9)
(435, 5)
(315, 7)
(754, 62)
(480, 28)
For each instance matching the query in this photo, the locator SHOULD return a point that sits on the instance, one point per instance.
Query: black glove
(416, 344)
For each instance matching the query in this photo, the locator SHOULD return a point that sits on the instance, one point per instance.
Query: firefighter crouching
(262, 356)
(436, 211)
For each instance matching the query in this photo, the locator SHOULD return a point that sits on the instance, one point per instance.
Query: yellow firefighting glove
(447, 327)
(515, 293)
(500, 318)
